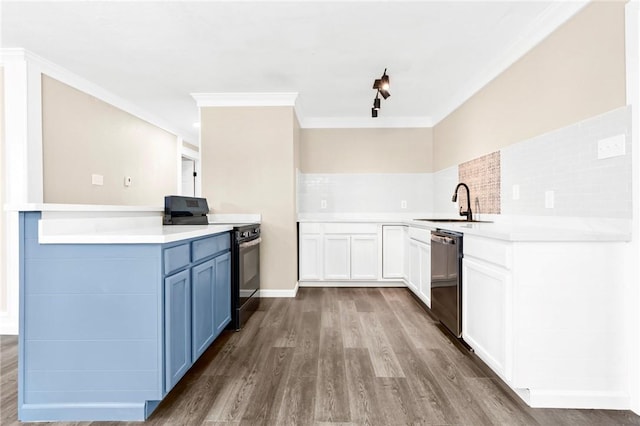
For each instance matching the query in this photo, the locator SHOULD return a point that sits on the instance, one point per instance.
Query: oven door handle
(250, 243)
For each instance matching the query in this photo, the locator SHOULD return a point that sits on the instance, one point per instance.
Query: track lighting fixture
(382, 88)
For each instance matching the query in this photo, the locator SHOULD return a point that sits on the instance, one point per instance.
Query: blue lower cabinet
(177, 327)
(202, 301)
(222, 296)
(107, 330)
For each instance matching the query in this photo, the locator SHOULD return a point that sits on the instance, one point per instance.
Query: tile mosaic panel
(482, 175)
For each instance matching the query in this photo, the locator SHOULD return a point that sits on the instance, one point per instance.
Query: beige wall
(83, 135)
(407, 150)
(574, 74)
(248, 166)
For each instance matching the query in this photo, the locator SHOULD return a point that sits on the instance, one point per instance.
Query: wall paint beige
(574, 74)
(83, 135)
(248, 166)
(407, 150)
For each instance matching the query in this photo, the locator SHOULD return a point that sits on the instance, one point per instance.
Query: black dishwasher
(446, 279)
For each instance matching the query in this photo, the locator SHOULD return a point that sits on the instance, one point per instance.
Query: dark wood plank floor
(337, 356)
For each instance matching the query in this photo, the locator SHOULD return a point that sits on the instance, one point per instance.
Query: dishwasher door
(446, 279)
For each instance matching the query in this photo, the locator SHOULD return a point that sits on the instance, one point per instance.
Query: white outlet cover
(612, 147)
(515, 192)
(97, 179)
(403, 204)
(549, 199)
(127, 181)
(323, 204)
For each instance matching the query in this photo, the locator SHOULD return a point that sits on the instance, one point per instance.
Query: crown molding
(244, 99)
(551, 18)
(365, 122)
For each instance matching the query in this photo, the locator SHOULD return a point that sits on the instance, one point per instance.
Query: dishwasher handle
(442, 239)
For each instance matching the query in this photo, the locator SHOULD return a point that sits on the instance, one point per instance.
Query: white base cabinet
(393, 251)
(339, 252)
(548, 318)
(485, 318)
(419, 277)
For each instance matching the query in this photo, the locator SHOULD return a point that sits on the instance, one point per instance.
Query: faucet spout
(468, 213)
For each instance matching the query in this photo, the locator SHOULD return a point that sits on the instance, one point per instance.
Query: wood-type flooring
(349, 356)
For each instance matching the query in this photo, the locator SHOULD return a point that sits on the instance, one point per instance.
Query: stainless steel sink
(456, 220)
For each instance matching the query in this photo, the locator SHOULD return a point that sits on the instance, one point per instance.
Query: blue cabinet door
(177, 327)
(222, 310)
(202, 304)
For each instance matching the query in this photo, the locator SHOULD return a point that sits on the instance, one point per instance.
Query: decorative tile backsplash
(482, 175)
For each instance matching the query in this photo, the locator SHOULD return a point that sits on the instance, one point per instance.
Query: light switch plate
(516, 192)
(611, 147)
(127, 181)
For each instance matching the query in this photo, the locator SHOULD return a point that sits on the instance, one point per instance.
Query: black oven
(245, 273)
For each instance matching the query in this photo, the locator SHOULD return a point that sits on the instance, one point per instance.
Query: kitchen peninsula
(114, 308)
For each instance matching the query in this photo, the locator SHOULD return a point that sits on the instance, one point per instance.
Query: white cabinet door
(393, 251)
(406, 262)
(414, 266)
(310, 257)
(364, 257)
(337, 257)
(485, 299)
(424, 256)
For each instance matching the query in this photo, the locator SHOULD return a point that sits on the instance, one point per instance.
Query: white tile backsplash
(365, 192)
(566, 162)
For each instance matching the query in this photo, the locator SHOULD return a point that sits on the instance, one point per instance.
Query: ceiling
(155, 54)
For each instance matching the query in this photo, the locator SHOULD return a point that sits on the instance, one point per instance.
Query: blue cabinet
(198, 301)
(177, 290)
(203, 299)
(106, 330)
(222, 295)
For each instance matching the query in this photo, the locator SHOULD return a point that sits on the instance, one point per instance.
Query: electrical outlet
(403, 204)
(549, 199)
(127, 181)
(323, 204)
(97, 180)
(515, 189)
(611, 147)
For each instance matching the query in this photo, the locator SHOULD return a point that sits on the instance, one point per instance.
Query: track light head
(376, 103)
(385, 94)
(374, 113)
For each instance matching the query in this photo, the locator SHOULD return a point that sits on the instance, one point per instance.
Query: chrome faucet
(468, 213)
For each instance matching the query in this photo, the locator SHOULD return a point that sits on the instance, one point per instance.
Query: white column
(632, 38)
(22, 163)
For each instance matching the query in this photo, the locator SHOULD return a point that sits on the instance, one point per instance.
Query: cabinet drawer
(209, 246)
(420, 234)
(350, 228)
(175, 258)
(489, 250)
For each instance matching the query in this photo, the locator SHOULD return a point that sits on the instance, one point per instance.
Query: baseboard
(574, 399)
(352, 284)
(266, 292)
(8, 326)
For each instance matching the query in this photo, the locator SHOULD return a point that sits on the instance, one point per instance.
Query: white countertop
(47, 207)
(150, 235)
(504, 228)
